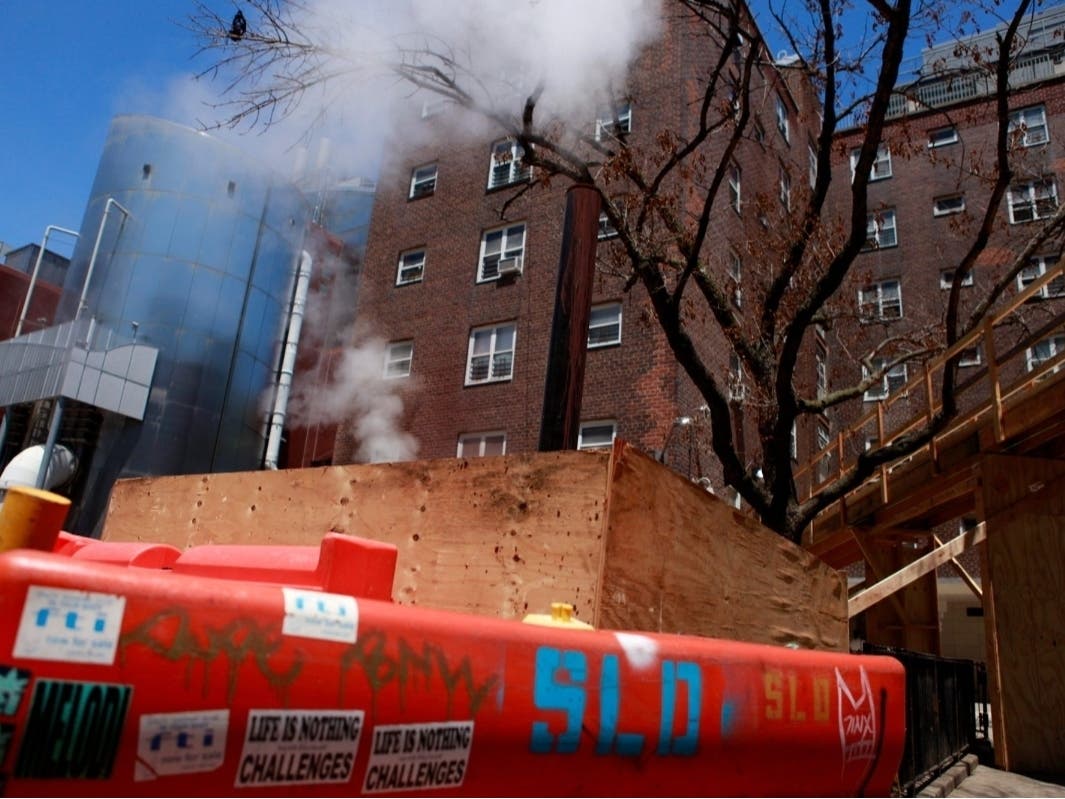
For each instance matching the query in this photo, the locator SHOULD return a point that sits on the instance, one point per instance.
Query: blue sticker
(13, 684)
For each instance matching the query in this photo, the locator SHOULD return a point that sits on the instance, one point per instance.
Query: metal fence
(946, 714)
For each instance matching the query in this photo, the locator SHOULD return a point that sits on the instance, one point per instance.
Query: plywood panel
(678, 559)
(499, 536)
(1024, 500)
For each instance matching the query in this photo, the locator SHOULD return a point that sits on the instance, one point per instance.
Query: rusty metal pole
(564, 383)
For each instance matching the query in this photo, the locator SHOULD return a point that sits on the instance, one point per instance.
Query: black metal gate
(946, 713)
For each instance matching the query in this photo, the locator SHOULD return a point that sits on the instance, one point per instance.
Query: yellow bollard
(31, 518)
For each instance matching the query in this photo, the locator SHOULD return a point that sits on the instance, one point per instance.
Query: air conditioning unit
(509, 266)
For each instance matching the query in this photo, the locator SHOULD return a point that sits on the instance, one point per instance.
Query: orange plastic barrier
(134, 681)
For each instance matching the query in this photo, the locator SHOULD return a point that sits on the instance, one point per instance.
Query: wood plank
(678, 559)
(933, 560)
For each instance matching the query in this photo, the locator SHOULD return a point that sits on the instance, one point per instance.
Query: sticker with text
(72, 626)
(418, 757)
(72, 730)
(13, 684)
(316, 614)
(180, 743)
(298, 747)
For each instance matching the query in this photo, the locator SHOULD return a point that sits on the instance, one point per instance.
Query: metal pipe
(288, 360)
(33, 277)
(49, 445)
(96, 249)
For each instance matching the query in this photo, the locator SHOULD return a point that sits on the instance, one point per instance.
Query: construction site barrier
(216, 677)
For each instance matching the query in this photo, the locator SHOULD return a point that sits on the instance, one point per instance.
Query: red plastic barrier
(120, 681)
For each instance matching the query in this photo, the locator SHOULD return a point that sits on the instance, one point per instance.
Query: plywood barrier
(631, 544)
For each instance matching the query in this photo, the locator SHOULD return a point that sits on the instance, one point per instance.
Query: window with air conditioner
(597, 434)
(411, 267)
(506, 166)
(970, 356)
(1034, 199)
(422, 181)
(941, 137)
(1037, 267)
(880, 301)
(880, 231)
(502, 252)
(1028, 126)
(398, 357)
(614, 124)
(482, 445)
(950, 204)
(892, 380)
(946, 279)
(490, 357)
(604, 325)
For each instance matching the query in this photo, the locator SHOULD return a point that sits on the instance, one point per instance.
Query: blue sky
(69, 66)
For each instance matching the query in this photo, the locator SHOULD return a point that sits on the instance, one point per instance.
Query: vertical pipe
(95, 251)
(49, 446)
(564, 382)
(33, 278)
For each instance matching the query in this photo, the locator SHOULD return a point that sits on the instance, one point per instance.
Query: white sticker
(74, 626)
(316, 614)
(418, 757)
(298, 747)
(180, 743)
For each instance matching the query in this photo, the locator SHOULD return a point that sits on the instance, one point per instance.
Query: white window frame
(881, 168)
(601, 320)
(893, 379)
(1054, 346)
(785, 187)
(399, 356)
(493, 354)
(505, 167)
(735, 187)
(881, 230)
(970, 356)
(946, 279)
(735, 271)
(812, 165)
(1031, 124)
(783, 123)
(410, 262)
(948, 204)
(619, 120)
(511, 245)
(420, 177)
(878, 302)
(480, 442)
(942, 137)
(1037, 267)
(1036, 199)
(585, 441)
(606, 230)
(821, 369)
(823, 433)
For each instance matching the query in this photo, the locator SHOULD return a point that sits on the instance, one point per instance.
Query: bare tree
(663, 199)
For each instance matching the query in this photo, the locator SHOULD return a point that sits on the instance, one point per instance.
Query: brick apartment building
(464, 296)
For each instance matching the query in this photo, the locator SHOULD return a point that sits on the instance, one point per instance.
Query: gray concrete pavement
(969, 778)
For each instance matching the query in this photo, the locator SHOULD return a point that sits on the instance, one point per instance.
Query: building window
(824, 463)
(398, 358)
(606, 230)
(616, 124)
(422, 181)
(604, 325)
(945, 206)
(411, 267)
(1028, 126)
(482, 445)
(785, 188)
(1036, 199)
(1044, 351)
(596, 435)
(970, 356)
(734, 187)
(782, 118)
(502, 252)
(506, 165)
(821, 367)
(946, 279)
(491, 354)
(893, 380)
(812, 166)
(880, 231)
(1037, 267)
(735, 271)
(737, 386)
(881, 300)
(758, 132)
(881, 164)
(941, 137)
